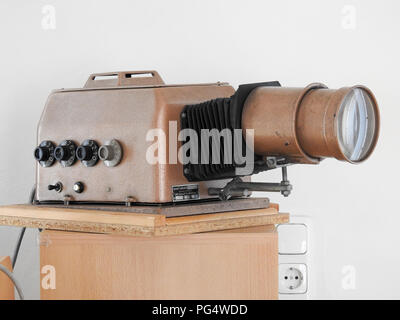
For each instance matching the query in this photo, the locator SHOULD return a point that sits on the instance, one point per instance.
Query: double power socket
(294, 258)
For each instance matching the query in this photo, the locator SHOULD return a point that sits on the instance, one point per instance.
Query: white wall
(354, 208)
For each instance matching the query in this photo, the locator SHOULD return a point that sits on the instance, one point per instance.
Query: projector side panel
(101, 115)
(173, 101)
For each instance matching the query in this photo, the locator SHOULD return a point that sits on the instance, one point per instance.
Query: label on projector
(185, 192)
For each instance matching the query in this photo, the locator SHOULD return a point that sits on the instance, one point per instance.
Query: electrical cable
(22, 232)
(16, 252)
(18, 246)
(14, 281)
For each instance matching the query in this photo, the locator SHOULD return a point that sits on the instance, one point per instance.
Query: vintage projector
(127, 139)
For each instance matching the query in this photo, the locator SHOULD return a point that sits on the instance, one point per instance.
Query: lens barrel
(312, 123)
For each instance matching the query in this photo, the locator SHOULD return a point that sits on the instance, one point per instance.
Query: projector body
(124, 108)
(127, 138)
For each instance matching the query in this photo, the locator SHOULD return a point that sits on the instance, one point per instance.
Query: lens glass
(356, 124)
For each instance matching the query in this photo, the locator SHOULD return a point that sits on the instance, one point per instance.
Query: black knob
(57, 187)
(62, 153)
(65, 153)
(42, 153)
(87, 153)
(84, 153)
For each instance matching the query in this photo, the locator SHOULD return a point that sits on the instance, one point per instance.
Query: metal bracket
(237, 188)
(129, 200)
(67, 198)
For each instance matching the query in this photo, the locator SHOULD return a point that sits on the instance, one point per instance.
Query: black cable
(18, 246)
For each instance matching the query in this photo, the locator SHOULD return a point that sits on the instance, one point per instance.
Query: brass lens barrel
(312, 123)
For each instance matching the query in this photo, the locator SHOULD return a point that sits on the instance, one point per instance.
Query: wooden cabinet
(231, 264)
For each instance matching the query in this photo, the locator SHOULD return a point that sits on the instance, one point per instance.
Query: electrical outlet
(292, 278)
(292, 238)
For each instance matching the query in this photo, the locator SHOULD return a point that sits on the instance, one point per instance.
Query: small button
(78, 187)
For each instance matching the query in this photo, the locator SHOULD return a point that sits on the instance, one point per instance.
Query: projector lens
(309, 124)
(356, 124)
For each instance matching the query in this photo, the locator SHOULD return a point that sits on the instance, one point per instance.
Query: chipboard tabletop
(134, 224)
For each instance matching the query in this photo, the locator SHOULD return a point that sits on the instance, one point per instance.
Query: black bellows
(212, 114)
(220, 114)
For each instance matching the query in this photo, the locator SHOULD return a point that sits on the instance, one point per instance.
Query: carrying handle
(124, 78)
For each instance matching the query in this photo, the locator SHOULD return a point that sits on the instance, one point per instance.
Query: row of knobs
(88, 153)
